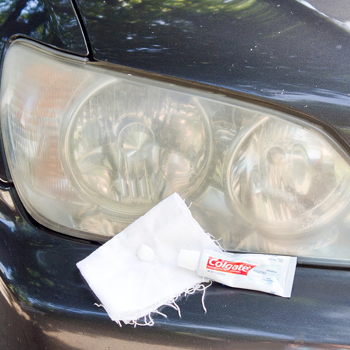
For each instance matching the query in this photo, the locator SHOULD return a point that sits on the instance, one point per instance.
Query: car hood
(283, 51)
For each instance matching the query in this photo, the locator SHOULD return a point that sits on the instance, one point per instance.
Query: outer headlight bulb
(283, 179)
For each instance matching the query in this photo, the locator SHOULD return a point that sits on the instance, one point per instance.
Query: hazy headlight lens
(285, 179)
(91, 149)
(128, 146)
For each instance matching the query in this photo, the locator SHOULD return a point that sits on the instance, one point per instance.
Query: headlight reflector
(127, 146)
(284, 179)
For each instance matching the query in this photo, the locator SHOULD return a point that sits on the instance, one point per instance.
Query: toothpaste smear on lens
(145, 267)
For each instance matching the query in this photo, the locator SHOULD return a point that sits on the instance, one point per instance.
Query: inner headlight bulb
(127, 154)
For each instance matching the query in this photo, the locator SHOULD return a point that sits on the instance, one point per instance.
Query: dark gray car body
(282, 52)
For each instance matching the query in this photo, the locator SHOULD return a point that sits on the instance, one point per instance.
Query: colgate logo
(238, 268)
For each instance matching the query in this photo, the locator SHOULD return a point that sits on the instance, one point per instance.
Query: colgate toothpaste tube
(266, 273)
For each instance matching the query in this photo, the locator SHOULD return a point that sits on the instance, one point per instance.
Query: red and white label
(238, 268)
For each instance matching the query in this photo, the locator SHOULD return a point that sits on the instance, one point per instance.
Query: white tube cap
(188, 259)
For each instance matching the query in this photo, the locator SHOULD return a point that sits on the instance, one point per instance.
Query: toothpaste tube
(266, 273)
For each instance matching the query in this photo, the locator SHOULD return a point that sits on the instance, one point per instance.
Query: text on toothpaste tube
(238, 268)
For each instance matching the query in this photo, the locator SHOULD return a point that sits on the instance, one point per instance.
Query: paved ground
(337, 9)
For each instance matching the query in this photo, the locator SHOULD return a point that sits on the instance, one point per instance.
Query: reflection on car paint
(282, 51)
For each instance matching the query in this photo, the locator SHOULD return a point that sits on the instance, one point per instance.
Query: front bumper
(45, 303)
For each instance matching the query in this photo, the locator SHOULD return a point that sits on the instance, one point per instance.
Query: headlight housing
(90, 149)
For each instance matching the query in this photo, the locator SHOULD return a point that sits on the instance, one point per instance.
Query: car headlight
(127, 146)
(91, 148)
(285, 179)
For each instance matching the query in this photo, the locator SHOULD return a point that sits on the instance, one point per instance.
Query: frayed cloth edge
(148, 320)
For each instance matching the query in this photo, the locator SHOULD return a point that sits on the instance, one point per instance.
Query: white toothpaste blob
(266, 273)
(146, 253)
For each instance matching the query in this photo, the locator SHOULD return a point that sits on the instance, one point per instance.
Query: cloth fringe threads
(148, 319)
(165, 229)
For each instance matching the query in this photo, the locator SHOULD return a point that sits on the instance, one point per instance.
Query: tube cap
(188, 259)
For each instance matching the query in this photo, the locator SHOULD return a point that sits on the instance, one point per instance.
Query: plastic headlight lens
(128, 146)
(91, 149)
(285, 179)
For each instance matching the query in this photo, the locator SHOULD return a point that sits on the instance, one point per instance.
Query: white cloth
(129, 288)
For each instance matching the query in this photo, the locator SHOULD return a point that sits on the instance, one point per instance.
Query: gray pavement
(337, 9)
